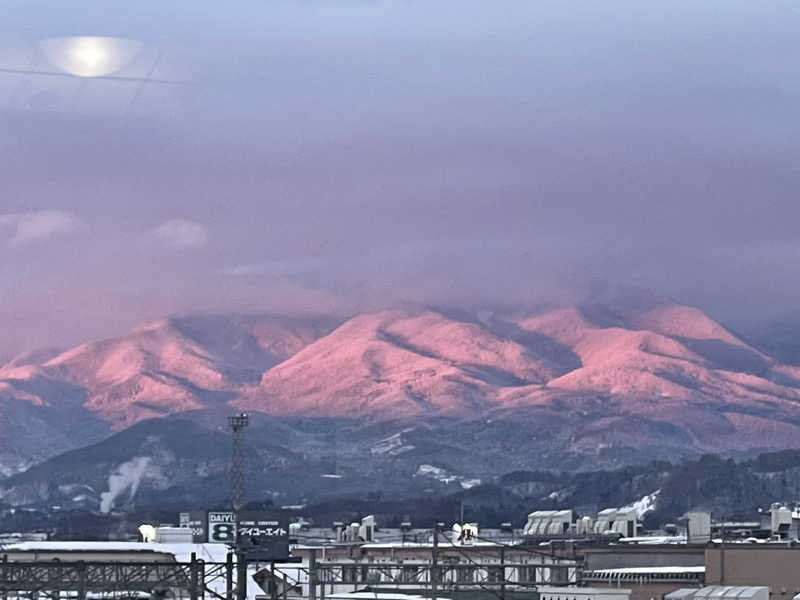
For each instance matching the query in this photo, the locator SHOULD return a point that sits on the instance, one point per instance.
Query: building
(460, 567)
(609, 523)
(112, 552)
(774, 566)
(119, 569)
(544, 523)
(617, 520)
(649, 571)
(582, 593)
(643, 556)
(720, 592)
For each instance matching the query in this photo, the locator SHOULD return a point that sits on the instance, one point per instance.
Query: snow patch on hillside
(392, 445)
(469, 483)
(645, 504)
(446, 477)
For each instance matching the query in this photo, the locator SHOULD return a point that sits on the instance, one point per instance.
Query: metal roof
(714, 592)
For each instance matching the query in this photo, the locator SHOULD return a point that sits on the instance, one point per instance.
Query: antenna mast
(237, 424)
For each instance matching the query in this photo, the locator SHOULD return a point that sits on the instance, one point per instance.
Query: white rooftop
(584, 591)
(720, 592)
(654, 539)
(379, 596)
(729, 591)
(181, 552)
(646, 570)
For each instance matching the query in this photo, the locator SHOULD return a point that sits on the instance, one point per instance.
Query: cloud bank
(337, 155)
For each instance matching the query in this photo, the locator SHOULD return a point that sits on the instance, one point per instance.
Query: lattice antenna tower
(237, 423)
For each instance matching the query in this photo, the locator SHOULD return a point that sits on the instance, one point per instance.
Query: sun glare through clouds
(87, 56)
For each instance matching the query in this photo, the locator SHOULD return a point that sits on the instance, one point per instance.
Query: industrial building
(558, 524)
(452, 563)
(774, 566)
(558, 554)
(582, 593)
(720, 592)
(649, 571)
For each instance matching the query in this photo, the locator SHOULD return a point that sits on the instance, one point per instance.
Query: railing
(450, 576)
(643, 577)
(194, 580)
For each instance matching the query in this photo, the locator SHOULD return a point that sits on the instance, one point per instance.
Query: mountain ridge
(627, 374)
(181, 462)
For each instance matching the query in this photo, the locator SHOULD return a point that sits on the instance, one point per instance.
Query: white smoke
(127, 477)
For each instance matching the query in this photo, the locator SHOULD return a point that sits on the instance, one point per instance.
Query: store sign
(263, 536)
(222, 527)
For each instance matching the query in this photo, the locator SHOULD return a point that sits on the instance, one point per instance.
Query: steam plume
(128, 476)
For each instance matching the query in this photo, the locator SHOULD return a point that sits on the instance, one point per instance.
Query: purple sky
(316, 155)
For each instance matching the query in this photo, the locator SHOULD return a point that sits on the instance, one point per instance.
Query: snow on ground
(644, 505)
(647, 570)
(392, 445)
(377, 596)
(644, 540)
(216, 553)
(181, 552)
(440, 474)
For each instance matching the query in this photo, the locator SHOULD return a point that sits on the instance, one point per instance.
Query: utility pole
(502, 573)
(241, 575)
(312, 574)
(273, 589)
(722, 557)
(435, 562)
(229, 577)
(194, 573)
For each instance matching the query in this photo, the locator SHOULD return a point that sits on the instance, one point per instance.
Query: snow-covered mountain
(632, 378)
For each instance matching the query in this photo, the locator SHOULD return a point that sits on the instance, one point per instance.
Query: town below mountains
(587, 405)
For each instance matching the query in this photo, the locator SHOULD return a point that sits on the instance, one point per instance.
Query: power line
(398, 539)
(515, 547)
(482, 566)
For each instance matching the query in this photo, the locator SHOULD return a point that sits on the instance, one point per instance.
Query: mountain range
(406, 391)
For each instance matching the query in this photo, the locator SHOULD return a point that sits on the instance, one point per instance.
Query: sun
(90, 56)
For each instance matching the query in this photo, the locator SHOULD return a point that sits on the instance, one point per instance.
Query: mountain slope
(169, 459)
(685, 370)
(398, 363)
(179, 463)
(627, 375)
(185, 459)
(608, 383)
(177, 364)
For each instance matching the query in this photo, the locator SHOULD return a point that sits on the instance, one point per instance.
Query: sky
(337, 155)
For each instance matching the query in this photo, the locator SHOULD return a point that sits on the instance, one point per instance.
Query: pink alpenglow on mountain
(604, 373)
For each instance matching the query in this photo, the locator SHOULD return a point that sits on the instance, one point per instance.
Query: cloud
(277, 267)
(38, 225)
(180, 233)
(453, 181)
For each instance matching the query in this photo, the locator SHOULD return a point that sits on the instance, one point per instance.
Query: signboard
(263, 536)
(197, 523)
(221, 527)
